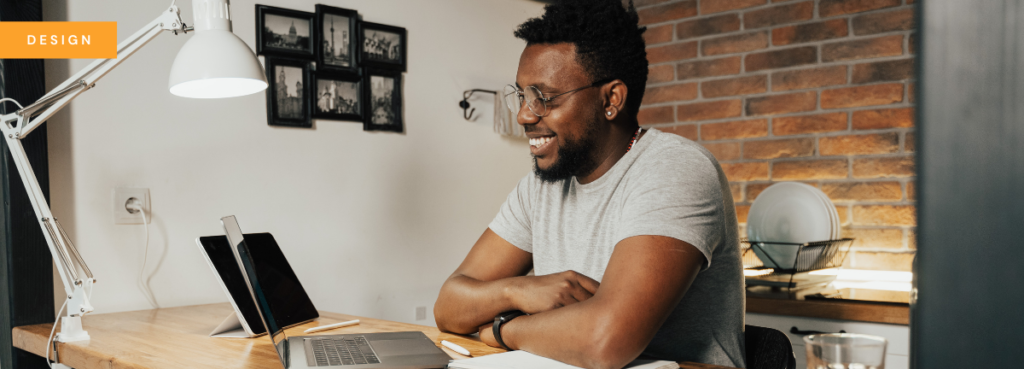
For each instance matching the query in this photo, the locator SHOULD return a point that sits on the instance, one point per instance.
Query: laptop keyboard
(335, 351)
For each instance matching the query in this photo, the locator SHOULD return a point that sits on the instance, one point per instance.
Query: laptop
(391, 350)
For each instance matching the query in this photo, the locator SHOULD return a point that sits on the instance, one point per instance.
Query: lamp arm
(15, 126)
(60, 96)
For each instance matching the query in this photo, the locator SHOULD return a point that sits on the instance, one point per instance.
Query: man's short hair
(609, 43)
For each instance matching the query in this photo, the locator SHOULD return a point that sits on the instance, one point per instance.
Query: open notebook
(526, 360)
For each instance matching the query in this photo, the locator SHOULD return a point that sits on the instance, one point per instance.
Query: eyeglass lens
(531, 97)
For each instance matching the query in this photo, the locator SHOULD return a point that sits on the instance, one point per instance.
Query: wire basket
(777, 261)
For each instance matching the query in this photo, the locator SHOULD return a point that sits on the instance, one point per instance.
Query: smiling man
(631, 233)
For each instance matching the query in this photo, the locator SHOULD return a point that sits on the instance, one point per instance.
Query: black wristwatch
(502, 319)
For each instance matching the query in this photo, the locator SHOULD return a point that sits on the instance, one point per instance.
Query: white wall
(382, 218)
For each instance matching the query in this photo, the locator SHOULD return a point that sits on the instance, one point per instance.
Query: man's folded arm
(478, 290)
(646, 278)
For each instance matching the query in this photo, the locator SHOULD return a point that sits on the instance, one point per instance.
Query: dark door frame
(26, 274)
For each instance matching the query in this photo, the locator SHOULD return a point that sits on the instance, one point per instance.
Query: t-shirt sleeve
(513, 220)
(681, 199)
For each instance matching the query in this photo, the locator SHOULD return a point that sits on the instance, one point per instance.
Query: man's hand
(545, 293)
(539, 294)
(487, 335)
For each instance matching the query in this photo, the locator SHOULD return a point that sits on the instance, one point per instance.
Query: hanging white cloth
(505, 123)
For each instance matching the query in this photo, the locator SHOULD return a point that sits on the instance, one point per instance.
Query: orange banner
(58, 40)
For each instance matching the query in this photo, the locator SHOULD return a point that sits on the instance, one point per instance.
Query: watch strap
(502, 319)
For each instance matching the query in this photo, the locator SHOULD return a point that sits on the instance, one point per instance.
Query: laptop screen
(279, 297)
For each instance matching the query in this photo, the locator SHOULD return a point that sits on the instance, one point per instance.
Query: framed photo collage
(331, 65)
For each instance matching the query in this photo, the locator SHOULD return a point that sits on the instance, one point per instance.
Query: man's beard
(574, 158)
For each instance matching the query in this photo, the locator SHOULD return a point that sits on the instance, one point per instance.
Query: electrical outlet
(121, 198)
(421, 313)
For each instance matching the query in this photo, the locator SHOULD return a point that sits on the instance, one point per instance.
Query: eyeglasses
(534, 99)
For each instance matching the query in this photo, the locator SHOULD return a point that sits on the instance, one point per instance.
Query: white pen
(332, 326)
(455, 348)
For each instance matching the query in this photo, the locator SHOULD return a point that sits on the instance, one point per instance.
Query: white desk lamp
(213, 63)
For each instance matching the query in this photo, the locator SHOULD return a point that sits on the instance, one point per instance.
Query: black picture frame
(269, 42)
(379, 55)
(326, 59)
(281, 110)
(390, 118)
(334, 103)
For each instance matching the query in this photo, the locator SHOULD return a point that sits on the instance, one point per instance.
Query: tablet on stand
(244, 321)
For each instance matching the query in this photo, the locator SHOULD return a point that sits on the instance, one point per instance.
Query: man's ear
(615, 93)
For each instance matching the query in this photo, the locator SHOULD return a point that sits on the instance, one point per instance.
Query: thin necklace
(635, 136)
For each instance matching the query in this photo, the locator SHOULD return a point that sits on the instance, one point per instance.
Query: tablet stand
(231, 327)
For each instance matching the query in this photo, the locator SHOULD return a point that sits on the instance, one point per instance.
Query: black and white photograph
(384, 105)
(288, 96)
(284, 32)
(338, 97)
(383, 46)
(335, 35)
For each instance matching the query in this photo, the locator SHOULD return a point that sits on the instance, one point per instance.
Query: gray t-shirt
(665, 185)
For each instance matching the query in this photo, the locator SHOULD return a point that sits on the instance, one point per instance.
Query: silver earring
(609, 113)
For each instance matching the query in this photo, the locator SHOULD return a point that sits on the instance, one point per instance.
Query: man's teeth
(539, 141)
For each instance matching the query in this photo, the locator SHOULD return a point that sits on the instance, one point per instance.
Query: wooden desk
(179, 338)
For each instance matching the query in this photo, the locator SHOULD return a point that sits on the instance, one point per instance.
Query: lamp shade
(215, 63)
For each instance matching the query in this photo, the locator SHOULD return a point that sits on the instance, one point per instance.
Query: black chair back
(768, 348)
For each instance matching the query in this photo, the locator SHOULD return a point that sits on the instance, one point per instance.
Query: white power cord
(12, 100)
(133, 204)
(49, 341)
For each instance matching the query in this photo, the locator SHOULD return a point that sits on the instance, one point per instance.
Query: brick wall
(817, 91)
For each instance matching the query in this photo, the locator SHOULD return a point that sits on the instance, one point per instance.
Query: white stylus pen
(455, 348)
(332, 326)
